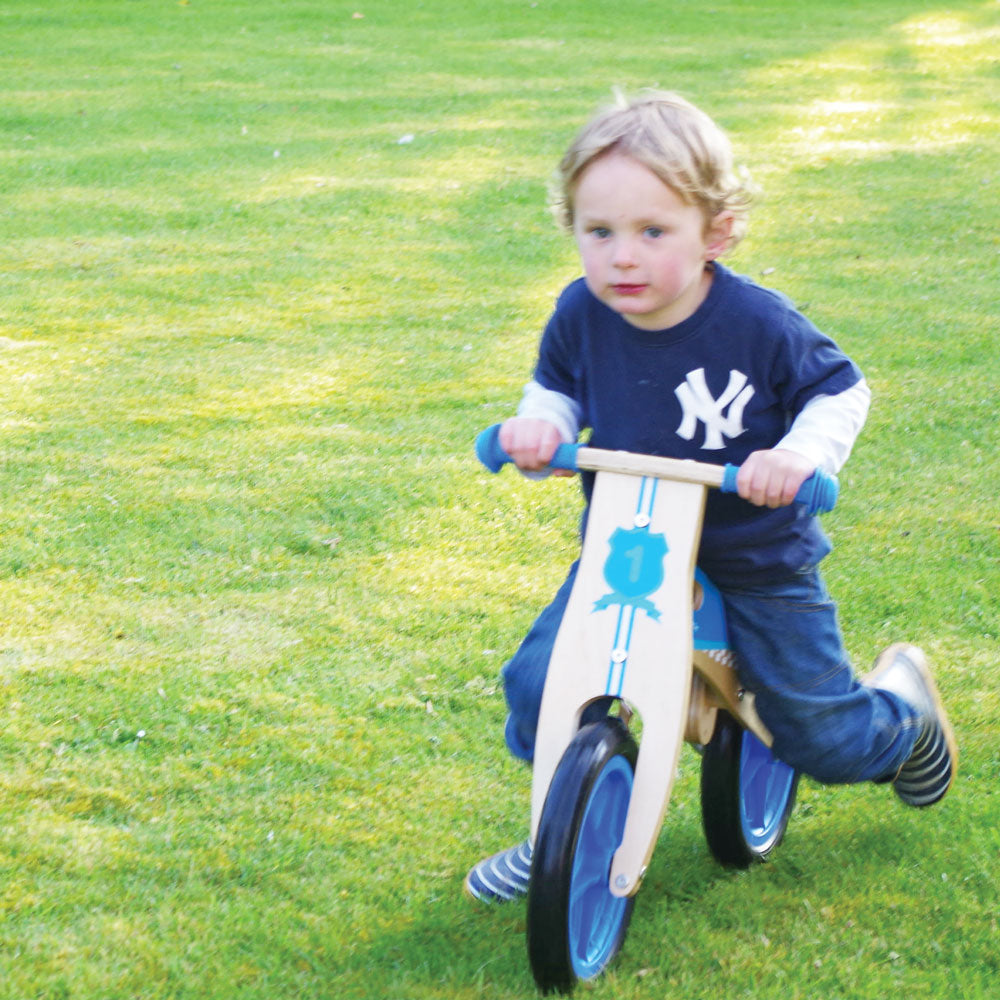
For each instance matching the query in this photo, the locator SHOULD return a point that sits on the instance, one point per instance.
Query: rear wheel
(576, 925)
(747, 795)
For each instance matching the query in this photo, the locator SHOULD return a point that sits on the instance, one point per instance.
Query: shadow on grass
(453, 947)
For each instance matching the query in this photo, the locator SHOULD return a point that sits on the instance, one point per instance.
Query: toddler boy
(660, 349)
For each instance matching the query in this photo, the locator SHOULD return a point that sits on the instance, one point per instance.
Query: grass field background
(265, 270)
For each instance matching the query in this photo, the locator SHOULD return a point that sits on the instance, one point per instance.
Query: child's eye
(654, 232)
(601, 232)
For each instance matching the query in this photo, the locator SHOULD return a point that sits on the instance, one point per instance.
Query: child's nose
(624, 254)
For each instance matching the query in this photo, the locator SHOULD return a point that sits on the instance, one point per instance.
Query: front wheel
(576, 925)
(747, 795)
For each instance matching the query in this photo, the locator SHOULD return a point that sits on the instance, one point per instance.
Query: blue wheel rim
(595, 913)
(765, 786)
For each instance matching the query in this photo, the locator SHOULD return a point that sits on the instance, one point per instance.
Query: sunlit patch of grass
(861, 109)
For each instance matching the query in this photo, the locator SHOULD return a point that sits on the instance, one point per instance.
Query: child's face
(643, 249)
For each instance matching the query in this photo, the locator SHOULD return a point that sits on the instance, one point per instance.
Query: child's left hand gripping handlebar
(818, 494)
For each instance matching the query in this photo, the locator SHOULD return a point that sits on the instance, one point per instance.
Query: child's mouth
(628, 289)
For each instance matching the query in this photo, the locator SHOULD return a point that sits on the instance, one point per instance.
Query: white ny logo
(699, 404)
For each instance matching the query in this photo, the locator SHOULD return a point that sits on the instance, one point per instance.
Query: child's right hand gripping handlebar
(818, 494)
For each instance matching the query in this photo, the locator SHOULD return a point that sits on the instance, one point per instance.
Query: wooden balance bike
(598, 799)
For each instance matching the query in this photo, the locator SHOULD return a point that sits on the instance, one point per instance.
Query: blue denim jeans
(790, 654)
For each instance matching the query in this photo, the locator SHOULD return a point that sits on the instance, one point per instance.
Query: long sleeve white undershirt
(824, 432)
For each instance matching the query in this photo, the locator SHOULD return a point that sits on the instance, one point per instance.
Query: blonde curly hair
(676, 141)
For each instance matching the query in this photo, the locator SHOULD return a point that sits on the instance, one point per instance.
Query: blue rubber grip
(818, 494)
(489, 452)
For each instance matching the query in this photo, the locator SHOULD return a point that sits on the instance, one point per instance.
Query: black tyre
(747, 795)
(576, 925)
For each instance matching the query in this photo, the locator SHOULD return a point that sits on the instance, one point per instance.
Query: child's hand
(772, 478)
(531, 443)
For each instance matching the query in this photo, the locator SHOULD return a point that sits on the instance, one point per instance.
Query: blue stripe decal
(628, 644)
(609, 686)
(652, 499)
(642, 493)
(617, 665)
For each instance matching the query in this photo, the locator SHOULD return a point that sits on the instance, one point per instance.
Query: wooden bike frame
(627, 634)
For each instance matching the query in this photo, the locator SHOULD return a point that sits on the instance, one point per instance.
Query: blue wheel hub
(595, 913)
(765, 785)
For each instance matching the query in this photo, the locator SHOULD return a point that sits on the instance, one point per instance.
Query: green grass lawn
(265, 270)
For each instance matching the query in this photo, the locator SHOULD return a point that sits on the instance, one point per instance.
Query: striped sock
(502, 877)
(925, 777)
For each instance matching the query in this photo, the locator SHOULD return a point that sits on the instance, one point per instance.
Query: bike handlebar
(818, 494)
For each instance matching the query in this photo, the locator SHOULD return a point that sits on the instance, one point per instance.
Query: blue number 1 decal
(633, 570)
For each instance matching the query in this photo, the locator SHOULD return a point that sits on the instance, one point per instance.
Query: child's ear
(718, 235)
